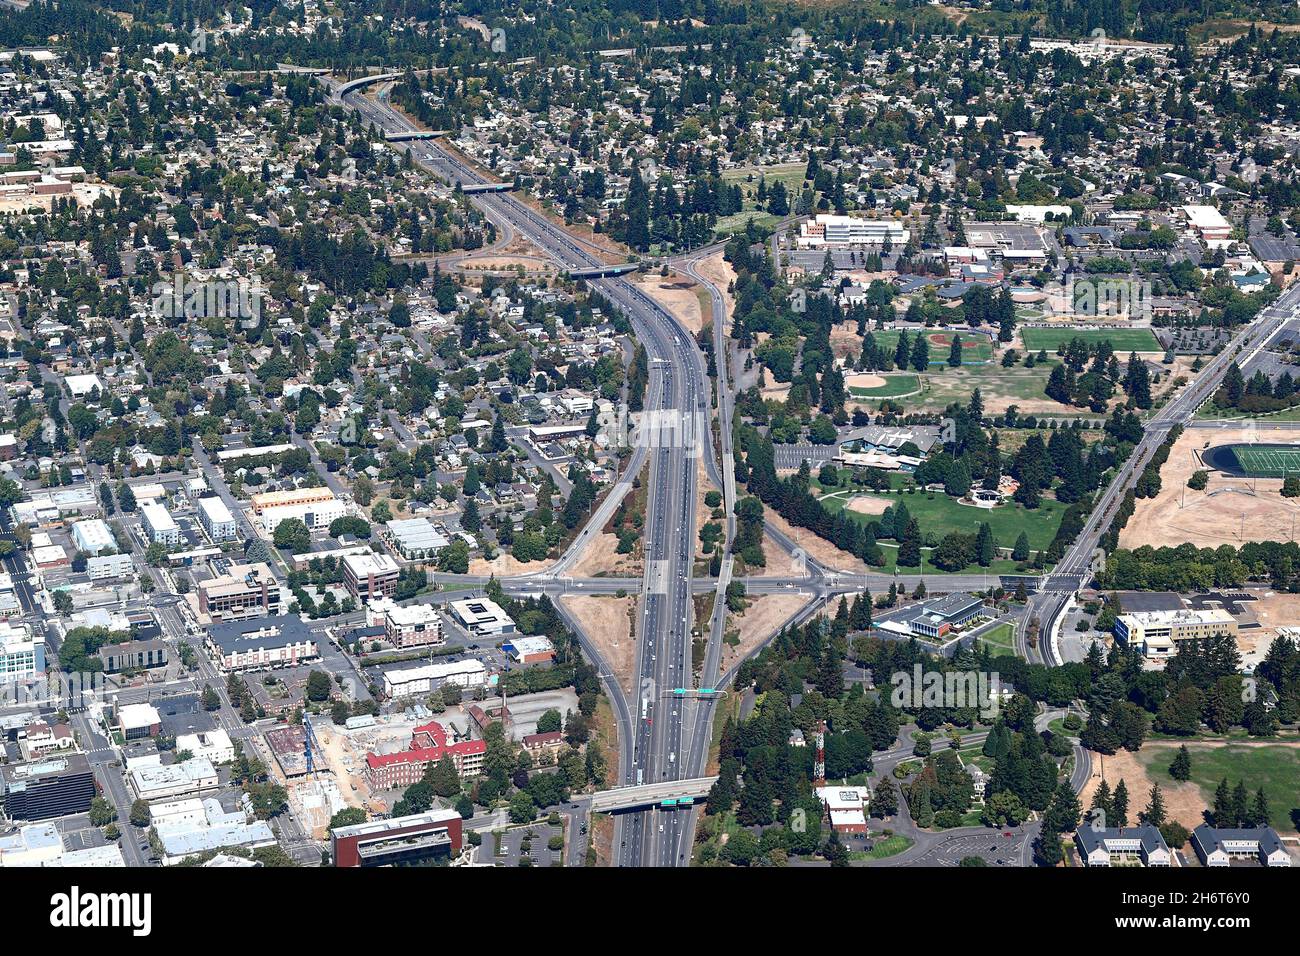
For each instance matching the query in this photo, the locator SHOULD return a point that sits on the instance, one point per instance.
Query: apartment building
(416, 681)
(1115, 846)
(247, 590)
(261, 643)
(217, 520)
(159, 525)
(22, 653)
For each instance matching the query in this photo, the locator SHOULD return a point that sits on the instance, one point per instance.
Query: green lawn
(938, 514)
(1121, 340)
(1002, 639)
(1275, 767)
(895, 385)
(880, 849)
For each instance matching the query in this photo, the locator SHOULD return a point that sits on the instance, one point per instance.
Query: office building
(369, 576)
(22, 653)
(134, 656)
(942, 615)
(246, 590)
(159, 525)
(1157, 633)
(51, 787)
(826, 230)
(261, 643)
(530, 650)
(398, 840)
(314, 507)
(415, 625)
(217, 520)
(152, 780)
(138, 721)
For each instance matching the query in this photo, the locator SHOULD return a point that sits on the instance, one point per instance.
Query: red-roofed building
(428, 746)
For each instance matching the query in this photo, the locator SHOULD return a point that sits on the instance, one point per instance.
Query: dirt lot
(607, 622)
(677, 296)
(1229, 510)
(779, 564)
(868, 504)
(1272, 611)
(864, 380)
(819, 549)
(760, 620)
(505, 564)
(601, 559)
(1182, 803)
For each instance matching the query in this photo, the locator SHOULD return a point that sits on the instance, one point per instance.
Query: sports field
(892, 387)
(1121, 340)
(1268, 461)
(975, 348)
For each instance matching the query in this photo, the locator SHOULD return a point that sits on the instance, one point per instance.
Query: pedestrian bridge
(651, 794)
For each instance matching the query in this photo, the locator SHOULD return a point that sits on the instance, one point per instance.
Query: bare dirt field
(606, 621)
(760, 620)
(1182, 802)
(1229, 511)
(819, 549)
(864, 380)
(600, 558)
(505, 564)
(1272, 611)
(779, 564)
(719, 272)
(677, 296)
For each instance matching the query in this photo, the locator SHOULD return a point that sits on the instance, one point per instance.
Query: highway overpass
(650, 794)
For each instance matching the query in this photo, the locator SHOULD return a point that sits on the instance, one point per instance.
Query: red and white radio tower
(819, 767)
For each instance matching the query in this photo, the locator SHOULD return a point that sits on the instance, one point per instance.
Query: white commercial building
(831, 230)
(159, 525)
(216, 519)
(1208, 223)
(482, 616)
(214, 745)
(107, 566)
(153, 781)
(314, 514)
(424, 680)
(93, 537)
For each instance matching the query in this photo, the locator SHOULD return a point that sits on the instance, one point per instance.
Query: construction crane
(308, 742)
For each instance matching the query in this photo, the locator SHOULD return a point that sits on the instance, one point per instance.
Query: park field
(1273, 766)
(940, 515)
(893, 386)
(976, 349)
(1121, 340)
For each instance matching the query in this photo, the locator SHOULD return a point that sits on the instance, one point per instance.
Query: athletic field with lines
(1268, 461)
